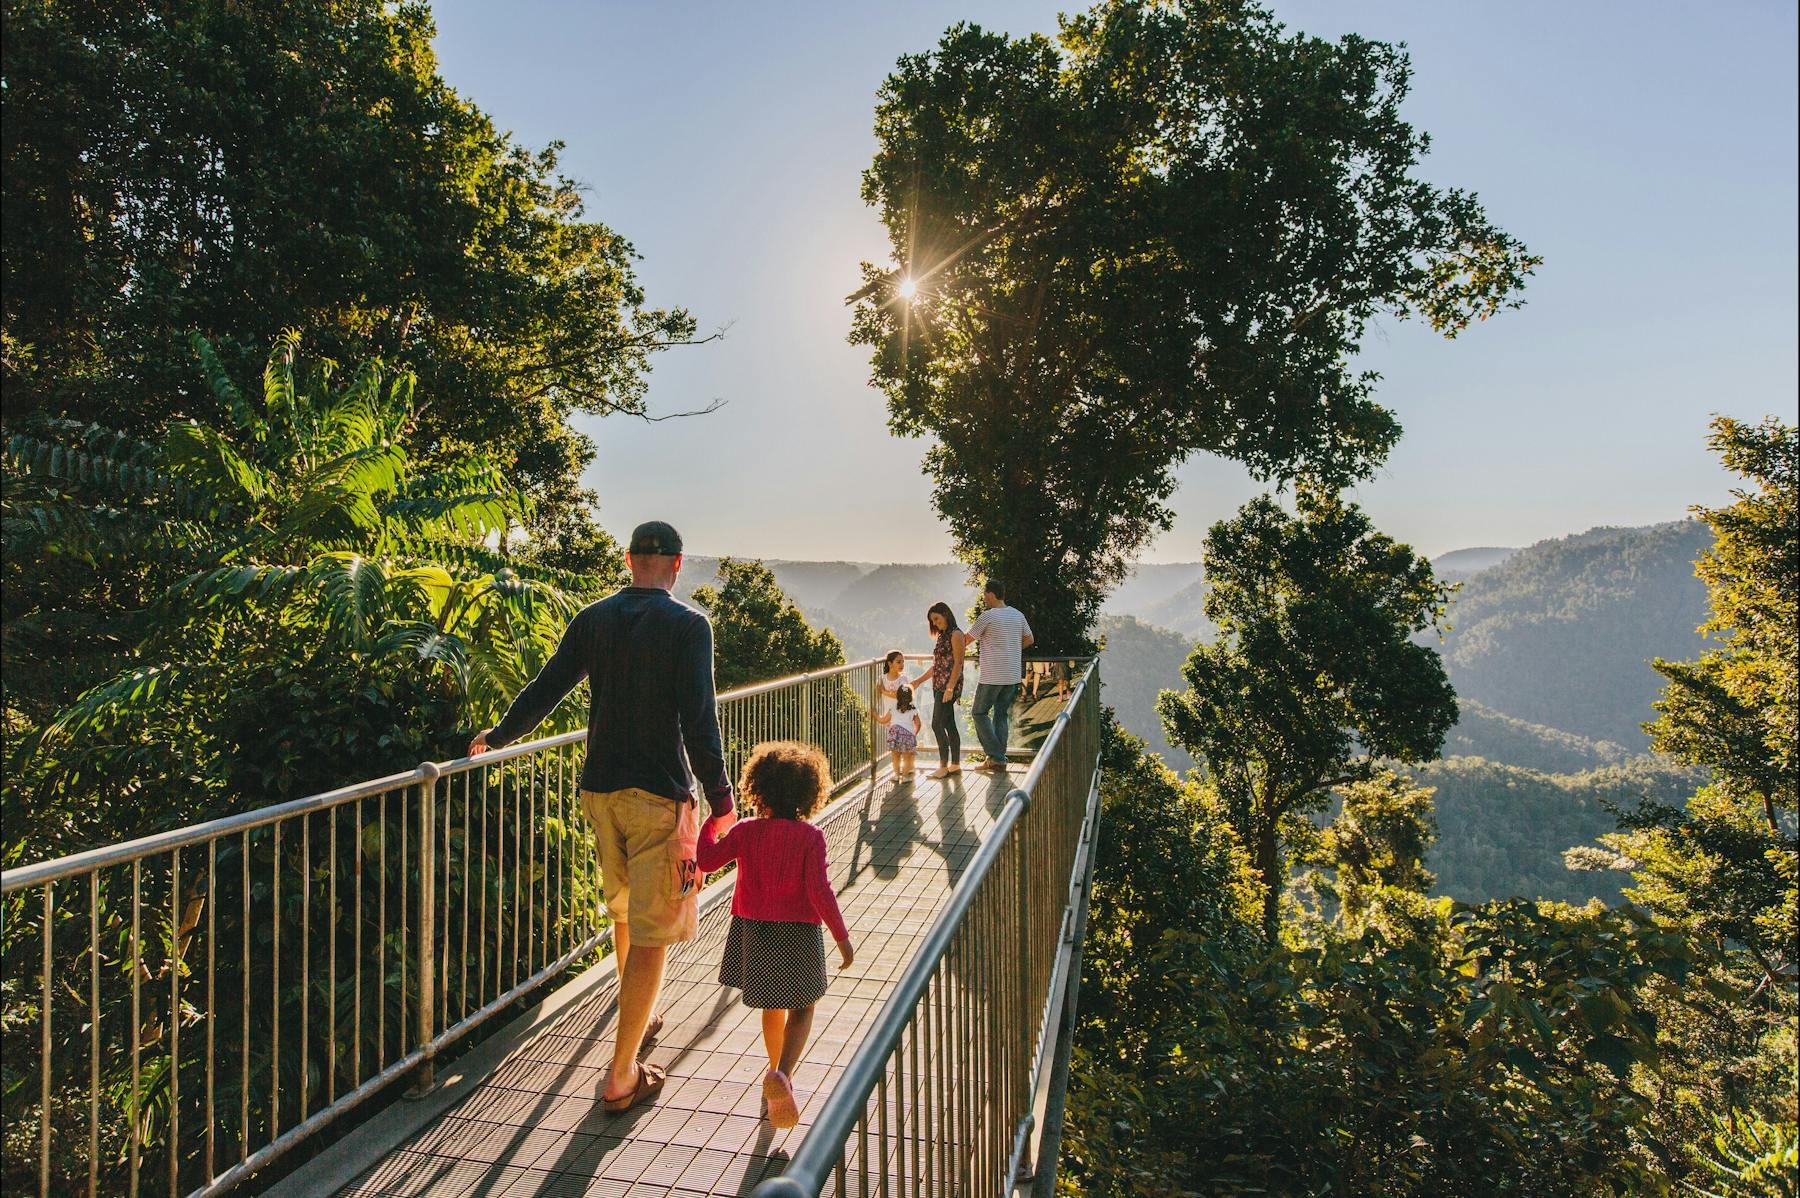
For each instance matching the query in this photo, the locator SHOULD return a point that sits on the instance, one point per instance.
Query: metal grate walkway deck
(533, 1126)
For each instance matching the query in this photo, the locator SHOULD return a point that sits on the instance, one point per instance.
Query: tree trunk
(1268, 864)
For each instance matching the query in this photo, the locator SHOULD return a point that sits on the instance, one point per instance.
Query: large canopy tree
(240, 169)
(236, 614)
(1315, 677)
(1165, 235)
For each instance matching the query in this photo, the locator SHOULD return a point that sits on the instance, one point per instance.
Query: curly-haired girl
(775, 951)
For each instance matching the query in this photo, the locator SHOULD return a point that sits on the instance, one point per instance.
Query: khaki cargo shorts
(648, 870)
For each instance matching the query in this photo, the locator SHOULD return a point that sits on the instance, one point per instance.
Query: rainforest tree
(1314, 678)
(235, 170)
(1164, 233)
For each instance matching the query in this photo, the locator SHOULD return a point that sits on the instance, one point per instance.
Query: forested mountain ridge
(1562, 634)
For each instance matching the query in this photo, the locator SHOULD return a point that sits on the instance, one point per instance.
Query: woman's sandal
(650, 1080)
(653, 1029)
(778, 1092)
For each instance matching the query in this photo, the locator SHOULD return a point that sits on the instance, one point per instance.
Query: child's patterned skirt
(902, 740)
(776, 965)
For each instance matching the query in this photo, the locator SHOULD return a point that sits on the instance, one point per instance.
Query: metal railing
(947, 1091)
(182, 1010)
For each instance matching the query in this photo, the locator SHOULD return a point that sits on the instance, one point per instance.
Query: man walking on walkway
(653, 731)
(1002, 635)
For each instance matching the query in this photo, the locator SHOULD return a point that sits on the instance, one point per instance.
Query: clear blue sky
(1647, 150)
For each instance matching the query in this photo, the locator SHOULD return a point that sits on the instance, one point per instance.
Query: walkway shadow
(771, 1163)
(888, 826)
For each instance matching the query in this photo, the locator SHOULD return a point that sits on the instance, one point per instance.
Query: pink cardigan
(781, 871)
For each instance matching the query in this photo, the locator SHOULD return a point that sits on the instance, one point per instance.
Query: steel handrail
(58, 868)
(372, 893)
(820, 1153)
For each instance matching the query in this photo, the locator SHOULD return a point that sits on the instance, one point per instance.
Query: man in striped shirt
(1001, 635)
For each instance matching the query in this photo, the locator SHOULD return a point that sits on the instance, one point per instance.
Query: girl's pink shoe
(778, 1092)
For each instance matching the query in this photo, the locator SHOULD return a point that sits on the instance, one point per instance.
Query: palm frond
(248, 583)
(224, 390)
(355, 596)
(113, 469)
(137, 691)
(480, 559)
(423, 642)
(201, 457)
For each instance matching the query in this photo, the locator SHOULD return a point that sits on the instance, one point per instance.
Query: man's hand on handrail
(479, 745)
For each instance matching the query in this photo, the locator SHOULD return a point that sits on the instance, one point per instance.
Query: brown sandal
(650, 1080)
(653, 1029)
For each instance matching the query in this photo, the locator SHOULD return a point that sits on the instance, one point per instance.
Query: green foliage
(240, 169)
(233, 615)
(1165, 235)
(1751, 1158)
(1314, 676)
(758, 633)
(1726, 865)
(1375, 850)
(1505, 831)
(1502, 1048)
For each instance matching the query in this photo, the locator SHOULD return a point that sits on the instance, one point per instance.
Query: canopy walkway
(325, 953)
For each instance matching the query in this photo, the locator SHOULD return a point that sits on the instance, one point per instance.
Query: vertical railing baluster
(400, 1024)
(137, 1021)
(45, 1050)
(175, 959)
(94, 1034)
(462, 985)
(481, 992)
(441, 988)
(381, 940)
(356, 958)
(531, 843)
(275, 991)
(427, 1074)
(305, 963)
(244, 1014)
(331, 943)
(212, 1009)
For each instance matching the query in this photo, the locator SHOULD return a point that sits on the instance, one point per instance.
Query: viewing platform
(936, 1063)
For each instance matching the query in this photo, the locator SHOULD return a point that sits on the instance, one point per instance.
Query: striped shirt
(1000, 633)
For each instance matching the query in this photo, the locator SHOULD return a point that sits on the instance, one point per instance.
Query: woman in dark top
(946, 675)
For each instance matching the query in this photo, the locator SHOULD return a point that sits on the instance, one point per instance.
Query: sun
(908, 289)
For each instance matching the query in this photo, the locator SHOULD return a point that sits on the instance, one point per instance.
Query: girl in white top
(889, 681)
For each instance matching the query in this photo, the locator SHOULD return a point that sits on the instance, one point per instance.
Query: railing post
(874, 728)
(425, 1080)
(806, 724)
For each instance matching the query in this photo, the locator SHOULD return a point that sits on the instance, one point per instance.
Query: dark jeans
(943, 727)
(992, 717)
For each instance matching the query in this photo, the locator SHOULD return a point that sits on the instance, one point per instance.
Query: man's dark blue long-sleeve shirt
(653, 720)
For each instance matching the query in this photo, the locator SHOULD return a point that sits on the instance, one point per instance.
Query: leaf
(1616, 1054)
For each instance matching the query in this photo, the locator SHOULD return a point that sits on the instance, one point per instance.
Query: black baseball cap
(654, 538)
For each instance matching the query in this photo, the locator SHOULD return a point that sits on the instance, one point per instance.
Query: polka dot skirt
(774, 964)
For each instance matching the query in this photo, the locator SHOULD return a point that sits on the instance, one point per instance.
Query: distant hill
(1502, 829)
(1461, 563)
(1561, 634)
(1483, 732)
(1183, 612)
(1149, 585)
(1140, 662)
